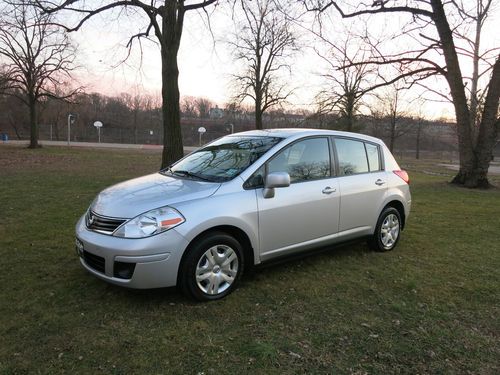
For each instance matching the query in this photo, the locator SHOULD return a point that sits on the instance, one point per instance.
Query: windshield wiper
(190, 174)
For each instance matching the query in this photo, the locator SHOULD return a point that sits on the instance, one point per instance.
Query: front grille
(102, 224)
(94, 261)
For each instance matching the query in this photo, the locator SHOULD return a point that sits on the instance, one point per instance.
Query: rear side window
(352, 157)
(373, 157)
(356, 157)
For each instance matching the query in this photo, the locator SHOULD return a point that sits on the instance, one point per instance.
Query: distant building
(216, 113)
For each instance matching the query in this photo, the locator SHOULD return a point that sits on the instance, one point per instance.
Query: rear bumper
(408, 207)
(156, 258)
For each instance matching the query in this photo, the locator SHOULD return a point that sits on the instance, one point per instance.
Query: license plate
(79, 247)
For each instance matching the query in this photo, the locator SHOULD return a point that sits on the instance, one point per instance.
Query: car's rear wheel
(212, 267)
(387, 231)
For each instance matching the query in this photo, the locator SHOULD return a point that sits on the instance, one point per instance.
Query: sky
(205, 60)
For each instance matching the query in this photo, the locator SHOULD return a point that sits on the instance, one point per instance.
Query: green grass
(430, 306)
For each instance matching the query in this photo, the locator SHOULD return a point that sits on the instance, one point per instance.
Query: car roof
(304, 132)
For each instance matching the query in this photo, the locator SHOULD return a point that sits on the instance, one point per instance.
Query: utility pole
(71, 120)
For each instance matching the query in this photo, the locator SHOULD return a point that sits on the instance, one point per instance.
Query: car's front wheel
(387, 231)
(212, 267)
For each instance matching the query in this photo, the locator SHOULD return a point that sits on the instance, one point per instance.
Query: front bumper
(156, 258)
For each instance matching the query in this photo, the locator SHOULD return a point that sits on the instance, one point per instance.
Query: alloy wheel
(389, 231)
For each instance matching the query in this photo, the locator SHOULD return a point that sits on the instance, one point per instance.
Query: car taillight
(403, 175)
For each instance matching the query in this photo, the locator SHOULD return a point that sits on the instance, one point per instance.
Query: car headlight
(150, 223)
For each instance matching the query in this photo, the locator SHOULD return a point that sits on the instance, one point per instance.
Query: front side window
(351, 156)
(304, 160)
(223, 159)
(256, 180)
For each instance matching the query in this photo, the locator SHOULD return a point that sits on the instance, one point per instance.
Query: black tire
(381, 241)
(220, 244)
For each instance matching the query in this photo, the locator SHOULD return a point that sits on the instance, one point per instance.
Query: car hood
(133, 197)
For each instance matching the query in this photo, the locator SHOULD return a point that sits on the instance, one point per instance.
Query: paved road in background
(95, 145)
(494, 167)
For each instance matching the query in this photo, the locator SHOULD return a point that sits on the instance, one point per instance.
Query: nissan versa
(242, 200)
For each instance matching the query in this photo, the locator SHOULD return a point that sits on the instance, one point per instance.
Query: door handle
(379, 182)
(328, 190)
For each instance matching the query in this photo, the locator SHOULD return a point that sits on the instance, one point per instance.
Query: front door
(306, 213)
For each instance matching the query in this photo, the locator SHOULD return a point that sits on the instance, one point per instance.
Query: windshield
(223, 159)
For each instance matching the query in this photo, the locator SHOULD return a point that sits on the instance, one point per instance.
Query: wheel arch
(237, 233)
(398, 205)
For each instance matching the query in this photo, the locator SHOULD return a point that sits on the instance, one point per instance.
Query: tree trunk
(258, 119)
(468, 174)
(12, 122)
(392, 135)
(258, 112)
(33, 124)
(350, 112)
(172, 134)
(476, 175)
(349, 123)
(135, 126)
(171, 35)
(56, 129)
(419, 131)
(17, 132)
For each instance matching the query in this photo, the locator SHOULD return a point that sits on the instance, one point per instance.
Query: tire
(387, 232)
(212, 267)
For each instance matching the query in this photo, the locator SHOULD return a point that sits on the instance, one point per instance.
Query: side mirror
(275, 180)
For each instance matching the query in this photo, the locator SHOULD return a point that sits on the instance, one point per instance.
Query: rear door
(362, 183)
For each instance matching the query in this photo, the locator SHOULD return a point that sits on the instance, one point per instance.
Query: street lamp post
(201, 130)
(232, 127)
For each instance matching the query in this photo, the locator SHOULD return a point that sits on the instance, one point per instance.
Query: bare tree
(346, 82)
(38, 58)
(165, 20)
(263, 43)
(391, 104)
(3, 79)
(437, 52)
(135, 103)
(419, 133)
(473, 49)
(53, 112)
(203, 106)
(188, 106)
(420, 126)
(152, 107)
(13, 113)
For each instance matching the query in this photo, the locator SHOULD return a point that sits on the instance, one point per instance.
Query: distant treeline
(137, 118)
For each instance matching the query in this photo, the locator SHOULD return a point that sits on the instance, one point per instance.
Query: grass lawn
(430, 306)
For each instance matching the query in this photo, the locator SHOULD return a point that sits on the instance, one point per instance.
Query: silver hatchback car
(242, 200)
